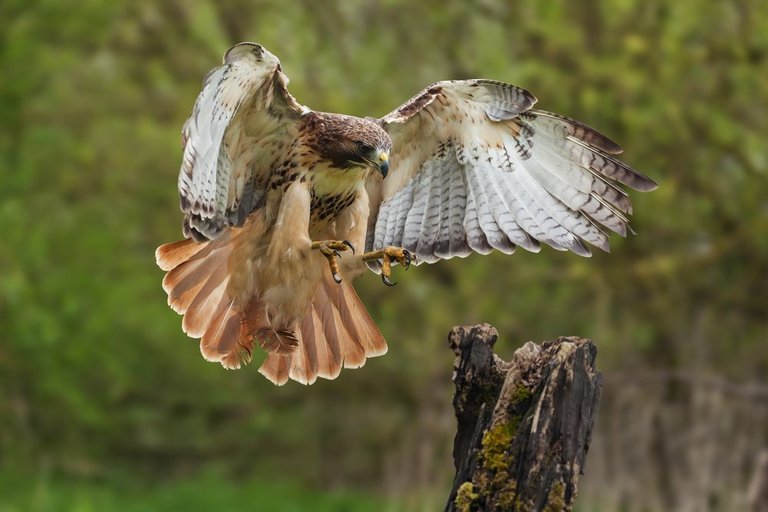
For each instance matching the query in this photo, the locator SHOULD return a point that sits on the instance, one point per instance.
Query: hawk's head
(252, 53)
(351, 142)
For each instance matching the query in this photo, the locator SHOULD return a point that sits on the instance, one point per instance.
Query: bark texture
(524, 426)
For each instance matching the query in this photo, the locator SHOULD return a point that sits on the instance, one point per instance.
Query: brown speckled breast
(327, 208)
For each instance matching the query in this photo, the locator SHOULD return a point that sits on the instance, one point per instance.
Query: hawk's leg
(330, 249)
(387, 255)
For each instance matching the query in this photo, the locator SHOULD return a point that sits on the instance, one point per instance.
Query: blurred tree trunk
(524, 426)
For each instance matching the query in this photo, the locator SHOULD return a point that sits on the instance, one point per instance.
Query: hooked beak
(382, 162)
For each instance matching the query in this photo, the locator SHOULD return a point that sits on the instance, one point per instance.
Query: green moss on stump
(465, 497)
(494, 445)
(495, 478)
(521, 394)
(556, 498)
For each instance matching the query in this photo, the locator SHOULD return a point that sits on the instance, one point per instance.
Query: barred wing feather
(475, 168)
(242, 125)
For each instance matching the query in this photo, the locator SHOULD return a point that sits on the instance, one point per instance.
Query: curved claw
(336, 253)
(408, 259)
(386, 280)
(349, 244)
(337, 278)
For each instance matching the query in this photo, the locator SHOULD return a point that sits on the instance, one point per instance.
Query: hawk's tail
(197, 287)
(336, 330)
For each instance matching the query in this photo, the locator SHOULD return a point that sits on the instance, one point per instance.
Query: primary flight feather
(277, 197)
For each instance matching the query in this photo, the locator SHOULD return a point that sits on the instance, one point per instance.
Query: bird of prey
(283, 206)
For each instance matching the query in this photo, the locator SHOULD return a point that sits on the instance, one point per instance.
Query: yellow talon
(330, 249)
(387, 255)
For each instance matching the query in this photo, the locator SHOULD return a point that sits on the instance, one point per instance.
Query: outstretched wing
(243, 125)
(474, 168)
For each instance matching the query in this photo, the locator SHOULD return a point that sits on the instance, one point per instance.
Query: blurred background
(106, 405)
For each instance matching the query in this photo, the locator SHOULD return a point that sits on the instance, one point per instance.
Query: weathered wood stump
(524, 426)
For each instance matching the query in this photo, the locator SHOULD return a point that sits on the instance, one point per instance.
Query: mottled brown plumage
(343, 141)
(274, 196)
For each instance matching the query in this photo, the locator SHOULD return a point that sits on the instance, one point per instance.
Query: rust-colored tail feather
(188, 265)
(197, 286)
(211, 300)
(276, 367)
(170, 256)
(336, 332)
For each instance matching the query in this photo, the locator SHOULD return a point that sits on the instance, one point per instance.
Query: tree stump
(524, 426)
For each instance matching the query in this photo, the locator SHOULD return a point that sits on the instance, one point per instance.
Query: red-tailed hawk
(274, 193)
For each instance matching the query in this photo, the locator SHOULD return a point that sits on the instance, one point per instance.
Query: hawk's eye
(363, 148)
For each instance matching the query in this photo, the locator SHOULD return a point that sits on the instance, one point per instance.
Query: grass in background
(200, 493)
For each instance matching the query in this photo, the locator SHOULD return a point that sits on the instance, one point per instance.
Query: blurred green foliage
(96, 377)
(204, 493)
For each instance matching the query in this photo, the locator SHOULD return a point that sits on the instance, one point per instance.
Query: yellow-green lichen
(507, 499)
(465, 497)
(494, 476)
(495, 479)
(494, 445)
(521, 394)
(556, 498)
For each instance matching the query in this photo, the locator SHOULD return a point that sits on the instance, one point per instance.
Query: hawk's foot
(330, 249)
(387, 255)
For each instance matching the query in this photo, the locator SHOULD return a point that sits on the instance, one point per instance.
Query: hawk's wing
(242, 126)
(473, 168)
